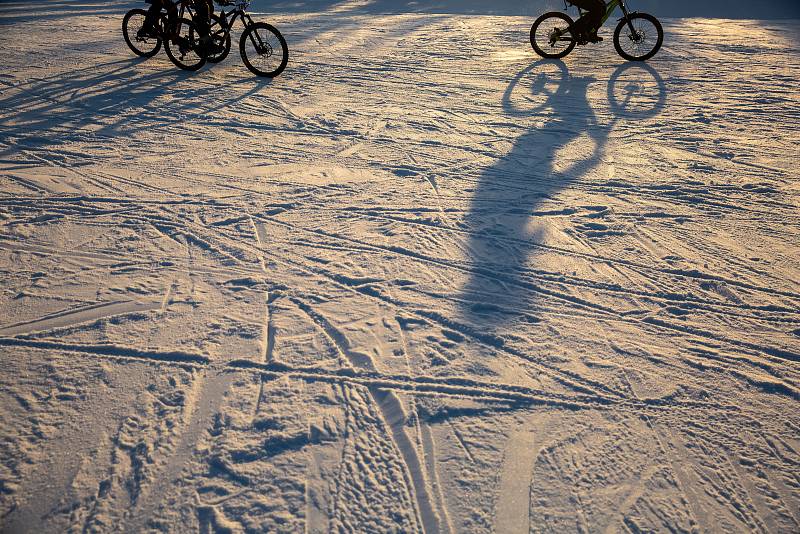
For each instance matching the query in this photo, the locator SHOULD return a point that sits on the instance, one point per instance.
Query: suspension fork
(625, 12)
(247, 19)
(249, 22)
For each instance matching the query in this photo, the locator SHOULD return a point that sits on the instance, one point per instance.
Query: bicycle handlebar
(243, 4)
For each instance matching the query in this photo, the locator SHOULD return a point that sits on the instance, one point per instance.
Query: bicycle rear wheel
(638, 37)
(550, 37)
(221, 37)
(183, 51)
(264, 50)
(132, 22)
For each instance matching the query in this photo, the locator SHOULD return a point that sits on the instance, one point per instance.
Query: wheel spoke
(260, 51)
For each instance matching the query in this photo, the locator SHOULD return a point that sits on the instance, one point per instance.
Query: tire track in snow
(512, 511)
(449, 323)
(204, 399)
(565, 377)
(463, 387)
(393, 415)
(53, 163)
(487, 273)
(450, 386)
(179, 358)
(664, 298)
(204, 402)
(679, 273)
(636, 267)
(429, 452)
(613, 314)
(268, 330)
(76, 316)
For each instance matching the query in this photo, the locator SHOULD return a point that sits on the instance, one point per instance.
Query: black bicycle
(181, 41)
(637, 37)
(261, 45)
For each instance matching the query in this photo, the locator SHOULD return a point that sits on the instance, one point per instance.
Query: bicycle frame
(610, 7)
(237, 13)
(227, 23)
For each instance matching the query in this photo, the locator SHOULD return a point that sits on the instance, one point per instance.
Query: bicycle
(637, 37)
(263, 49)
(182, 44)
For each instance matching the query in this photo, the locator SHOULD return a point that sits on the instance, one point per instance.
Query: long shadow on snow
(47, 111)
(765, 9)
(508, 205)
(50, 11)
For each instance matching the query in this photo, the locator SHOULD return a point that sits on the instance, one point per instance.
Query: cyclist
(591, 20)
(203, 10)
(148, 28)
(202, 19)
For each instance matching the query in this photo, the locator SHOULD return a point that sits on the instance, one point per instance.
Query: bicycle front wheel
(184, 50)
(132, 23)
(638, 37)
(550, 37)
(264, 50)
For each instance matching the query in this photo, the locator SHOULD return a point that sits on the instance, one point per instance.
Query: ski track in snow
(423, 281)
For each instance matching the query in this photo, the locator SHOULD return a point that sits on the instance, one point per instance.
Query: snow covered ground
(421, 282)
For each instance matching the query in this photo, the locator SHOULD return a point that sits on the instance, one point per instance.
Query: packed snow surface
(421, 282)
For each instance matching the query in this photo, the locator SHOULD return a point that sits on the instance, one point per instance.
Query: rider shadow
(515, 198)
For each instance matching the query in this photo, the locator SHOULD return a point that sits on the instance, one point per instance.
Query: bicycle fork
(260, 47)
(625, 16)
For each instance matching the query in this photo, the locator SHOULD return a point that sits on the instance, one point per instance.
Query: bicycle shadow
(112, 99)
(515, 198)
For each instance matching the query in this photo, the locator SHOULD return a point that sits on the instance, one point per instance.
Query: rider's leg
(172, 20)
(203, 11)
(597, 18)
(590, 22)
(150, 19)
(202, 18)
